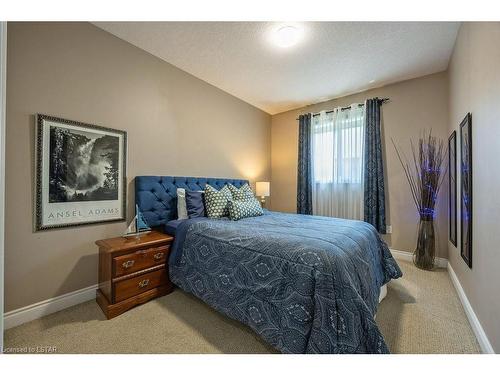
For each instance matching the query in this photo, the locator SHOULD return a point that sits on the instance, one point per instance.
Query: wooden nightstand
(132, 271)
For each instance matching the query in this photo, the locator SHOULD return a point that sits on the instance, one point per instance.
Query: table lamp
(263, 190)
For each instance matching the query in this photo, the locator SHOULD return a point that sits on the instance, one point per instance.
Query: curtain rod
(349, 107)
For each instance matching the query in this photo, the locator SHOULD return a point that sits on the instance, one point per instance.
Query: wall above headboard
(156, 196)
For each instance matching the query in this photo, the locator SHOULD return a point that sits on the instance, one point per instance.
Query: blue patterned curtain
(374, 195)
(304, 170)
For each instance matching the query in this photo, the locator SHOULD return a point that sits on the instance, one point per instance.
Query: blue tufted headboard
(156, 196)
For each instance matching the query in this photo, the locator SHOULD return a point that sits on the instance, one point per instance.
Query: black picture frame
(466, 189)
(67, 204)
(452, 188)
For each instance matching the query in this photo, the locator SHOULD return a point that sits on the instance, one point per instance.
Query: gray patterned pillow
(243, 193)
(239, 209)
(216, 201)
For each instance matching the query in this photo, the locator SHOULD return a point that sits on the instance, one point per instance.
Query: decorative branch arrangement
(425, 176)
(424, 173)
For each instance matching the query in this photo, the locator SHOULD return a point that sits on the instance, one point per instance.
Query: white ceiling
(333, 59)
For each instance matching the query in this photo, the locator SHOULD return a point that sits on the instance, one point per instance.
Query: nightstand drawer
(139, 284)
(132, 270)
(142, 259)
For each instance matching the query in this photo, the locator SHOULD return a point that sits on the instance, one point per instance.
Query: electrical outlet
(388, 229)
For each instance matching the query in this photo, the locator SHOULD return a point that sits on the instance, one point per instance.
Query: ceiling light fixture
(287, 36)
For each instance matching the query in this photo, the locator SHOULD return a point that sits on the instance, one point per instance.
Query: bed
(305, 284)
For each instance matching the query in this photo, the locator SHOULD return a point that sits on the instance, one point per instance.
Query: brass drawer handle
(128, 263)
(143, 283)
(158, 256)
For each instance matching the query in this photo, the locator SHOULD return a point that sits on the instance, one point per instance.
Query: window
(337, 162)
(337, 144)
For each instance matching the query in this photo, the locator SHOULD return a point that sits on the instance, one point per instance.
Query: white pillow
(181, 204)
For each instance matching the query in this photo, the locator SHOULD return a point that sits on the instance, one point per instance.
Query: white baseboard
(37, 310)
(405, 255)
(481, 337)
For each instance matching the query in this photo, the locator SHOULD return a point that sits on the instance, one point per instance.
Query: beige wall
(176, 124)
(474, 75)
(414, 105)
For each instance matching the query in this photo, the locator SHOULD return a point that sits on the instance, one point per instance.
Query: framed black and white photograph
(452, 187)
(80, 173)
(466, 189)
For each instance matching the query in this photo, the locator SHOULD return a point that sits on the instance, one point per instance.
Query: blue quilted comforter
(306, 284)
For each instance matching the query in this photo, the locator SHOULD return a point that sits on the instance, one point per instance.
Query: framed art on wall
(80, 173)
(452, 187)
(466, 189)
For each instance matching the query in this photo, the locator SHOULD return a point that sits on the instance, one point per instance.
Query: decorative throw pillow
(194, 204)
(216, 201)
(243, 193)
(239, 209)
(181, 204)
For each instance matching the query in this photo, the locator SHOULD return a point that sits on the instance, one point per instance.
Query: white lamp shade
(262, 189)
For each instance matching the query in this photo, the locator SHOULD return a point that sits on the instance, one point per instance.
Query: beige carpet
(421, 314)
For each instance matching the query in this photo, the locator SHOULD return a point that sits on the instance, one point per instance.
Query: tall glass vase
(425, 253)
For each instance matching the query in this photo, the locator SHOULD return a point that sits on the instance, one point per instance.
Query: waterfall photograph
(81, 171)
(83, 166)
